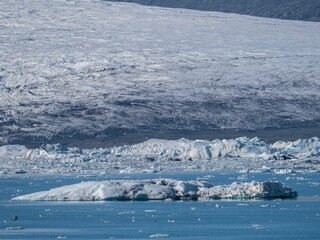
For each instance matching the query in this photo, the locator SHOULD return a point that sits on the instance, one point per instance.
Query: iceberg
(160, 189)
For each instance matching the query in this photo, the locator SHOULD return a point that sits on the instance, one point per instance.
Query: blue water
(269, 219)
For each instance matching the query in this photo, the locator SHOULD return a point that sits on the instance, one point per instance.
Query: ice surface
(154, 155)
(160, 189)
(89, 68)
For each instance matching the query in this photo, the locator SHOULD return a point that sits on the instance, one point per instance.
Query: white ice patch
(159, 235)
(160, 189)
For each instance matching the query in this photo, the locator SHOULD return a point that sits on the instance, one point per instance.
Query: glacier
(77, 69)
(160, 189)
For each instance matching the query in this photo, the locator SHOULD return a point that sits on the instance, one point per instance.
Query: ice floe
(160, 189)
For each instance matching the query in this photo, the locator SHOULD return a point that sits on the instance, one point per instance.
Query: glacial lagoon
(212, 219)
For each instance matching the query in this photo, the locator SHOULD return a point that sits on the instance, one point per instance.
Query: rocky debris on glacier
(160, 189)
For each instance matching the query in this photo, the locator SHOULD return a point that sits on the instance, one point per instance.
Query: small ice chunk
(159, 235)
(14, 228)
(150, 210)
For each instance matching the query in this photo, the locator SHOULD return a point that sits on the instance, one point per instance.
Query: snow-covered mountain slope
(71, 68)
(285, 9)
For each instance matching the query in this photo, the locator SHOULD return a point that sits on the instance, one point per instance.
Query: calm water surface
(268, 219)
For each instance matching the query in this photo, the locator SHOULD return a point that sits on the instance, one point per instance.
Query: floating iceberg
(160, 189)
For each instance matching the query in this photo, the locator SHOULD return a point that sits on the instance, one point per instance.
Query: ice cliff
(154, 155)
(184, 149)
